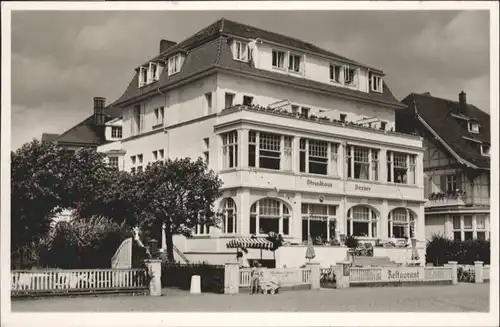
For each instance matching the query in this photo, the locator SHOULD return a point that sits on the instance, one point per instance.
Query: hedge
(441, 250)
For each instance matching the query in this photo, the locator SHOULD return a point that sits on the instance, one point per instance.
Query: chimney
(99, 104)
(427, 93)
(165, 45)
(462, 103)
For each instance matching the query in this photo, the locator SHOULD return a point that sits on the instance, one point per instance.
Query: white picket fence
(76, 280)
(287, 277)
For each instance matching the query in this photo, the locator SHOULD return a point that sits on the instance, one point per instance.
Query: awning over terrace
(250, 243)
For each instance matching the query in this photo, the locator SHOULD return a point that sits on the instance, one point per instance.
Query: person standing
(254, 279)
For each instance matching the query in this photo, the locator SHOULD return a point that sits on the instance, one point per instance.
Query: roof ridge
(219, 50)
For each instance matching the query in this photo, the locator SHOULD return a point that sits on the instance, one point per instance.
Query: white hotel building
(302, 138)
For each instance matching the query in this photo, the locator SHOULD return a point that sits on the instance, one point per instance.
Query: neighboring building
(456, 164)
(248, 101)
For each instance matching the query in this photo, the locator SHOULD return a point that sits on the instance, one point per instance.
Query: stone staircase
(374, 261)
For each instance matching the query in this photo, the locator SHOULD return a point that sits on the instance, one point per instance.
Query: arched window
(269, 215)
(361, 221)
(401, 223)
(228, 216)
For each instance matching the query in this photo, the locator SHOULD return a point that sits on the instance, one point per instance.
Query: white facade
(194, 124)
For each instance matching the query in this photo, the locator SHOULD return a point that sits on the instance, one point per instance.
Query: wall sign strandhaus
(319, 183)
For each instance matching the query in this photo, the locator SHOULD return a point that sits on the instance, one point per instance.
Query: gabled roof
(212, 51)
(435, 115)
(87, 133)
(49, 137)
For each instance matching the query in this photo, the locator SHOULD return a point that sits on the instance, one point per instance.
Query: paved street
(458, 298)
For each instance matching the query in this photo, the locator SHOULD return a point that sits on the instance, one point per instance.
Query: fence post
(315, 275)
(154, 269)
(478, 272)
(342, 274)
(231, 278)
(454, 273)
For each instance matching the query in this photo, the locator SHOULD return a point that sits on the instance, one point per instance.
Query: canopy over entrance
(250, 243)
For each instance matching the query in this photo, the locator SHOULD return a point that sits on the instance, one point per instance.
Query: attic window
(485, 150)
(143, 76)
(349, 74)
(278, 59)
(154, 72)
(375, 83)
(174, 64)
(240, 51)
(335, 73)
(473, 127)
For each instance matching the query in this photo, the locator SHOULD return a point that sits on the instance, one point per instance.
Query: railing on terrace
(364, 275)
(77, 280)
(438, 273)
(283, 112)
(286, 276)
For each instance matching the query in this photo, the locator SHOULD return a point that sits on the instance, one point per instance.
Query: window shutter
(443, 183)
(459, 180)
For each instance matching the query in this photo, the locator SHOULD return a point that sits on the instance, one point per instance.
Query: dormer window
(376, 84)
(294, 63)
(116, 132)
(278, 59)
(174, 64)
(240, 51)
(154, 72)
(349, 74)
(143, 76)
(485, 150)
(473, 127)
(335, 73)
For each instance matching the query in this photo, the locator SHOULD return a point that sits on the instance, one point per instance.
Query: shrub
(440, 250)
(351, 242)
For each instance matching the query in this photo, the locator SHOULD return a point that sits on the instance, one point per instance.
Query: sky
(62, 59)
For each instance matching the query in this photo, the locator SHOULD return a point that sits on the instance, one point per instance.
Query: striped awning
(250, 243)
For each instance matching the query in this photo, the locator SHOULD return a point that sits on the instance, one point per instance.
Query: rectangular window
(467, 222)
(116, 132)
(335, 73)
(294, 63)
(278, 59)
(401, 168)
(208, 101)
(113, 162)
(359, 165)
(174, 64)
(247, 100)
(485, 150)
(153, 72)
(295, 109)
(343, 117)
(138, 118)
(228, 100)
(456, 222)
(161, 154)
(375, 83)
(230, 149)
(451, 183)
(481, 235)
(383, 125)
(313, 156)
(155, 155)
(473, 127)
(457, 236)
(269, 151)
(480, 222)
(206, 148)
(304, 112)
(349, 74)
(143, 76)
(240, 51)
(158, 112)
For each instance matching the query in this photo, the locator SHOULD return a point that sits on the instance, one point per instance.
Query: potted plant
(352, 243)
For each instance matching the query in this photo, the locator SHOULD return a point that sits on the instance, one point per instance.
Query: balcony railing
(324, 119)
(446, 199)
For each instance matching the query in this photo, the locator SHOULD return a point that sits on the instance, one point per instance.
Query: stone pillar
(231, 278)
(454, 276)
(383, 220)
(315, 274)
(296, 228)
(342, 274)
(243, 211)
(478, 269)
(243, 148)
(154, 270)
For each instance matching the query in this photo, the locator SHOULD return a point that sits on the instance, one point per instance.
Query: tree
(180, 193)
(47, 179)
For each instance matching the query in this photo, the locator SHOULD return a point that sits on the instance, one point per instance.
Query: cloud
(60, 60)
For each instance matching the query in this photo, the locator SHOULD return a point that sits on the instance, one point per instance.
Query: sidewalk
(452, 298)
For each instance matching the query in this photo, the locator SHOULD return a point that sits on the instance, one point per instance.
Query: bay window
(318, 157)
(269, 215)
(319, 221)
(362, 163)
(401, 223)
(401, 168)
(361, 222)
(230, 150)
(269, 151)
(229, 216)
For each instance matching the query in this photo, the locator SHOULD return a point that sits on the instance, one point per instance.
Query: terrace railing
(287, 277)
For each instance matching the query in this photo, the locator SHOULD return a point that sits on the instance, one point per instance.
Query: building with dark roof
(457, 144)
(300, 136)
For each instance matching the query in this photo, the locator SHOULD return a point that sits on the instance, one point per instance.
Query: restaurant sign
(405, 274)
